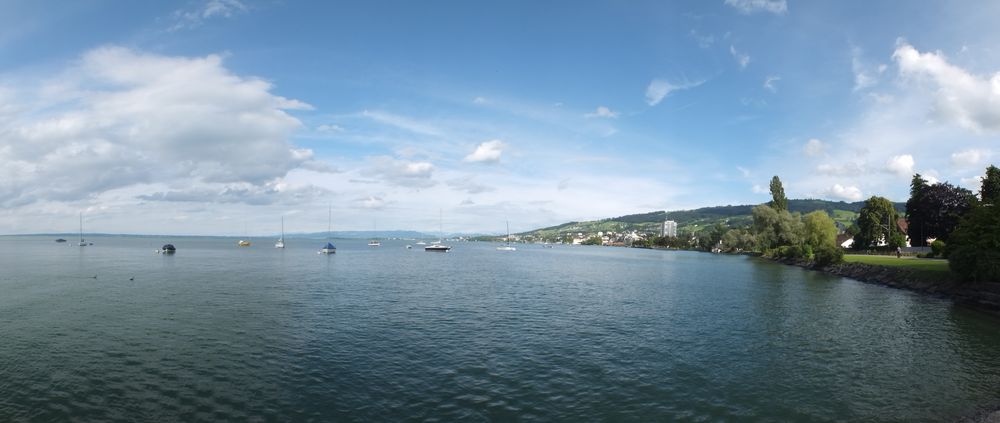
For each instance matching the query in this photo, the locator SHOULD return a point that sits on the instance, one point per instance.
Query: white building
(669, 229)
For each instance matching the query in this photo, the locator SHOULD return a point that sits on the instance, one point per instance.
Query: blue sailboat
(328, 248)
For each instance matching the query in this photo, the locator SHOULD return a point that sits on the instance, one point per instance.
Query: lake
(217, 332)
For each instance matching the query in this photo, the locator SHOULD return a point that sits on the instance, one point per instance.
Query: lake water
(217, 332)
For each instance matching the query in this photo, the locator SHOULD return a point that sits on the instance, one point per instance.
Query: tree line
(965, 228)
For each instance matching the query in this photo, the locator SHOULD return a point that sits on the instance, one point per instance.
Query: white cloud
(480, 100)
(742, 59)
(900, 165)
(743, 171)
(402, 122)
(602, 112)
(974, 183)
(759, 189)
(846, 193)
(487, 152)
(196, 16)
(371, 202)
(704, 41)
(969, 158)
(125, 118)
(769, 83)
(864, 78)
(329, 128)
(469, 185)
(814, 148)
(271, 193)
(842, 169)
(777, 7)
(971, 101)
(659, 88)
(412, 174)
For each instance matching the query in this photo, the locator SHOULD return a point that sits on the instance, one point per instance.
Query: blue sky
(205, 117)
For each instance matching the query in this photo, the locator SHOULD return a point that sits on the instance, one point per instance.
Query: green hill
(690, 221)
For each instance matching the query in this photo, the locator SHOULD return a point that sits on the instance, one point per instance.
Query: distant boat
(281, 240)
(421, 243)
(375, 242)
(82, 242)
(409, 247)
(507, 247)
(60, 240)
(243, 242)
(328, 248)
(168, 249)
(439, 247)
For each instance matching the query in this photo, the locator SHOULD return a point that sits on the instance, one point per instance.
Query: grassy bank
(924, 268)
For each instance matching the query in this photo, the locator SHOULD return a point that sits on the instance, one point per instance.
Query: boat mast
(81, 227)
(508, 233)
(282, 228)
(329, 219)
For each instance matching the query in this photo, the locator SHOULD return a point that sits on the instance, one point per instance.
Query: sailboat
(82, 242)
(328, 248)
(244, 242)
(375, 242)
(439, 246)
(281, 240)
(507, 247)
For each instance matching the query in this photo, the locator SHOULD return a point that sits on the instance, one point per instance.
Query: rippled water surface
(218, 332)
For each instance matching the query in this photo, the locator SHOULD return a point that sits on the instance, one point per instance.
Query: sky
(220, 117)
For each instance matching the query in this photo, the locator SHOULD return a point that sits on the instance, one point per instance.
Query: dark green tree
(943, 206)
(974, 248)
(877, 223)
(778, 200)
(990, 192)
(933, 211)
(915, 212)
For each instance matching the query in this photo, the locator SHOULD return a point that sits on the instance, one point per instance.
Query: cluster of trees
(973, 247)
(777, 232)
(966, 229)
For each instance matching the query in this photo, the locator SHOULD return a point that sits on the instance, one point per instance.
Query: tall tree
(877, 223)
(990, 193)
(916, 212)
(820, 230)
(942, 207)
(778, 200)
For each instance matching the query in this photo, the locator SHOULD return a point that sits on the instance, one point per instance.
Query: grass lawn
(932, 268)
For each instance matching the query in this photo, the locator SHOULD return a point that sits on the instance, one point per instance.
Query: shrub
(827, 255)
(790, 252)
(937, 248)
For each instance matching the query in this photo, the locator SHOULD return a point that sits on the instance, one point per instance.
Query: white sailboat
(507, 247)
(82, 242)
(281, 240)
(328, 248)
(375, 242)
(439, 247)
